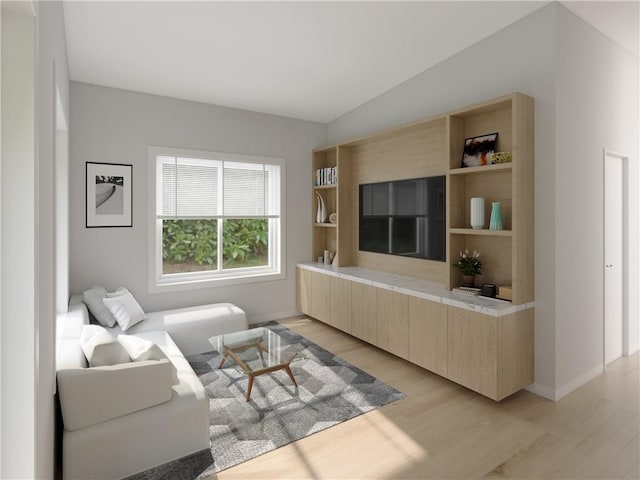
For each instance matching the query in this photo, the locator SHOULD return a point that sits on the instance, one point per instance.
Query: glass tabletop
(255, 350)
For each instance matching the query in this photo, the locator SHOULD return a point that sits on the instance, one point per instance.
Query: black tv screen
(404, 217)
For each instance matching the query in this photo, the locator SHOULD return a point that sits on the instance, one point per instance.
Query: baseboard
(272, 316)
(542, 391)
(567, 388)
(576, 383)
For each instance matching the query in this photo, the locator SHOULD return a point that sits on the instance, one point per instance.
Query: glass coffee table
(256, 352)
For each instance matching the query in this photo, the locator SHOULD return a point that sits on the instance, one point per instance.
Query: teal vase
(495, 222)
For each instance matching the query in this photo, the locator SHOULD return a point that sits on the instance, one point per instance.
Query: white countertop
(433, 291)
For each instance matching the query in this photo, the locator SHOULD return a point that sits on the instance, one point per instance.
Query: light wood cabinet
(340, 304)
(320, 297)
(364, 312)
(428, 335)
(303, 286)
(490, 355)
(393, 322)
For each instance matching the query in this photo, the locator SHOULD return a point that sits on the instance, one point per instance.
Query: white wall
(596, 108)
(521, 57)
(586, 98)
(52, 76)
(18, 233)
(117, 126)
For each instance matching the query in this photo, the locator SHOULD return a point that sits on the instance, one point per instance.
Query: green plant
(245, 241)
(468, 263)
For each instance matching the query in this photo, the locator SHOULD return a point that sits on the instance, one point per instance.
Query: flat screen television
(404, 217)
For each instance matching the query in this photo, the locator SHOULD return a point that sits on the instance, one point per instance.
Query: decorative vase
(321, 214)
(477, 213)
(495, 222)
(468, 280)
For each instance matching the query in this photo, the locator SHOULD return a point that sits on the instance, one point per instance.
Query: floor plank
(442, 430)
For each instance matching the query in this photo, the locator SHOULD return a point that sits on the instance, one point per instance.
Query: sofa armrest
(93, 395)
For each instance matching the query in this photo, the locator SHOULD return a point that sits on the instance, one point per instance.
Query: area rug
(330, 391)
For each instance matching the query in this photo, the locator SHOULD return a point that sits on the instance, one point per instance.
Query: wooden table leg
(251, 377)
(224, 357)
(290, 373)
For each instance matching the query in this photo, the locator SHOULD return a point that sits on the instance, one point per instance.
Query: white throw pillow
(100, 347)
(140, 350)
(92, 298)
(124, 308)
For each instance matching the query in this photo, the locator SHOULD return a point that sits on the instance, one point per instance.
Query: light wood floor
(442, 430)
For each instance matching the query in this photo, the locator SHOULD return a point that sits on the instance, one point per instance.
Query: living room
(548, 54)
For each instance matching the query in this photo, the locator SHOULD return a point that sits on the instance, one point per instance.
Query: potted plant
(469, 267)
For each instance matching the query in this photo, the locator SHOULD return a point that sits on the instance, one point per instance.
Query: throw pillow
(100, 347)
(140, 350)
(92, 298)
(124, 308)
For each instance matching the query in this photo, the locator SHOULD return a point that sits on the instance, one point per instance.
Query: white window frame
(158, 282)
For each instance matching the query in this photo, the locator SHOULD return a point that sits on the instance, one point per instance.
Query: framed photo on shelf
(108, 195)
(477, 150)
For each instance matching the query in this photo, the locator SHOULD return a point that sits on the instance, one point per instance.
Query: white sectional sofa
(123, 419)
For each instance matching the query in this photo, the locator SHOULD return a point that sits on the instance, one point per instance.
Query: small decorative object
(495, 222)
(469, 267)
(108, 195)
(327, 257)
(500, 157)
(477, 150)
(321, 215)
(488, 290)
(477, 213)
(333, 218)
(320, 259)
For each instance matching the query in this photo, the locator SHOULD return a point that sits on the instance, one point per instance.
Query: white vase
(321, 214)
(477, 213)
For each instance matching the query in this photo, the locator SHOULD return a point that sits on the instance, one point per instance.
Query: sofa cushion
(140, 350)
(100, 347)
(89, 396)
(124, 308)
(93, 300)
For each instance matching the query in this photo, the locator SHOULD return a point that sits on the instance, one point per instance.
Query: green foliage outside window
(195, 242)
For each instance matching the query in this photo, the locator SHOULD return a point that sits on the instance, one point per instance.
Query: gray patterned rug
(330, 390)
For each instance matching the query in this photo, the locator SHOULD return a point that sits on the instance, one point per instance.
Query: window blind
(189, 187)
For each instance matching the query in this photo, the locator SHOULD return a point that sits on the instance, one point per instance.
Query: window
(215, 218)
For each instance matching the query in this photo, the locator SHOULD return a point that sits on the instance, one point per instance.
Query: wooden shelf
(484, 232)
(326, 225)
(481, 169)
(325, 187)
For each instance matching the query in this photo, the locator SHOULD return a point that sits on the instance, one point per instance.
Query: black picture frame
(108, 195)
(477, 150)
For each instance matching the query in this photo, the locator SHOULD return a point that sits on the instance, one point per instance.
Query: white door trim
(625, 253)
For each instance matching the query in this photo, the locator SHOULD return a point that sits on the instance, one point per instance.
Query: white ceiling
(307, 60)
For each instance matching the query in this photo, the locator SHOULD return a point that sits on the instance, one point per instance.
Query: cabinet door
(364, 316)
(320, 297)
(428, 335)
(340, 304)
(472, 350)
(303, 290)
(393, 322)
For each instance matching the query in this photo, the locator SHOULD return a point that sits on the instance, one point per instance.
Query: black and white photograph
(108, 195)
(478, 149)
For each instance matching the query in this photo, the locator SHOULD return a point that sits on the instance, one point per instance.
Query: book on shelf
(468, 291)
(326, 176)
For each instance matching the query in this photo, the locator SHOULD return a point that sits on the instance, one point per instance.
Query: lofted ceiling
(307, 60)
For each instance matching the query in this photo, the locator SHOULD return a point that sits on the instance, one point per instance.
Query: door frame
(625, 253)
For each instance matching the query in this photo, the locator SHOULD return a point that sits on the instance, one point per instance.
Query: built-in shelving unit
(489, 351)
(506, 255)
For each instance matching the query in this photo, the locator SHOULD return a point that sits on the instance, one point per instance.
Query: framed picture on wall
(108, 195)
(477, 150)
